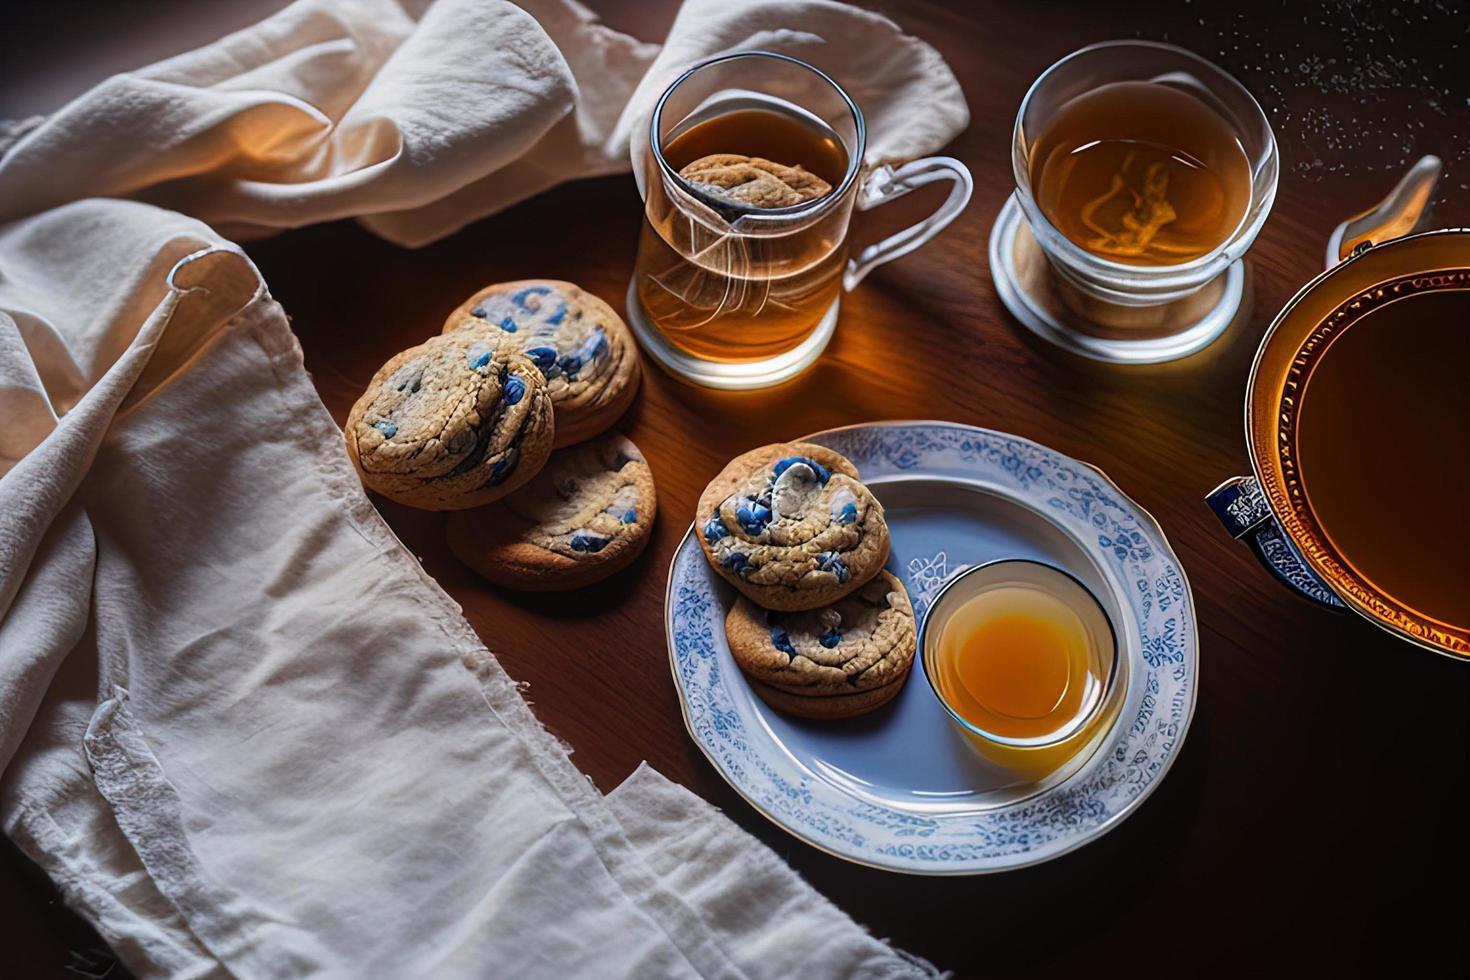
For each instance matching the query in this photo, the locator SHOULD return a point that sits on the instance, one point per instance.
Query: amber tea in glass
(1024, 660)
(726, 292)
(1018, 662)
(765, 295)
(1141, 173)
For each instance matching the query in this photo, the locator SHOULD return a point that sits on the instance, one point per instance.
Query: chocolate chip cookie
(841, 660)
(452, 423)
(791, 526)
(587, 514)
(582, 348)
(753, 181)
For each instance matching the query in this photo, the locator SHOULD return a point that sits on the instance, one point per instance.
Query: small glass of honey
(1025, 661)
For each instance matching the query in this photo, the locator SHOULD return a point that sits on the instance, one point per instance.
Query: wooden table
(1317, 796)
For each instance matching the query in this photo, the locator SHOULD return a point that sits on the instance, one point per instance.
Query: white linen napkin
(351, 108)
(243, 730)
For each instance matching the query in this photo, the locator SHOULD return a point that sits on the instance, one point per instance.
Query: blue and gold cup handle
(1242, 508)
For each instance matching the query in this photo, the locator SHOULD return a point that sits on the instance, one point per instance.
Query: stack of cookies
(821, 629)
(476, 419)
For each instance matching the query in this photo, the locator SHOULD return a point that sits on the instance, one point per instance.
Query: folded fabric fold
(331, 110)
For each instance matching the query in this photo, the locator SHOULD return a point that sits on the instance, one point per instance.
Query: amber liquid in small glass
(1383, 446)
(737, 297)
(1019, 663)
(1141, 173)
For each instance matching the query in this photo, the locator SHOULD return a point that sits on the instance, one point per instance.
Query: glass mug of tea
(1143, 174)
(737, 279)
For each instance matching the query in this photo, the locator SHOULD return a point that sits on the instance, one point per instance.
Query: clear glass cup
(1126, 301)
(737, 297)
(1072, 739)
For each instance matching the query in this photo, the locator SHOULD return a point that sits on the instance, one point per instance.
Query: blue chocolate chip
(386, 427)
(503, 469)
(831, 561)
(830, 638)
(753, 515)
(715, 529)
(594, 346)
(508, 324)
(782, 465)
(558, 316)
(847, 514)
(588, 542)
(542, 357)
(570, 365)
(478, 311)
(737, 562)
(630, 516)
(477, 359)
(781, 640)
(514, 391)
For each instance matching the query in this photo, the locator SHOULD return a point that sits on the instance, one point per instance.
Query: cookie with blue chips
(452, 423)
(587, 514)
(838, 661)
(582, 347)
(791, 526)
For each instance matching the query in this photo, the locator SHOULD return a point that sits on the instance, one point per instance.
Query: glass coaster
(1029, 289)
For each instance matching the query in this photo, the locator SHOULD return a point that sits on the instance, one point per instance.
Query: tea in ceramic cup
(753, 169)
(1025, 662)
(1143, 174)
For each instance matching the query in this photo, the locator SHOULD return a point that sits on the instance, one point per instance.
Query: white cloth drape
(240, 727)
(350, 108)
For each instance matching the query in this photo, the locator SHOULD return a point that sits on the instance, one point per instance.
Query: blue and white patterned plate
(899, 788)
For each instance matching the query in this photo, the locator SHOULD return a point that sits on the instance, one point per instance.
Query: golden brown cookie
(826, 708)
(587, 514)
(581, 346)
(754, 181)
(791, 526)
(835, 662)
(451, 423)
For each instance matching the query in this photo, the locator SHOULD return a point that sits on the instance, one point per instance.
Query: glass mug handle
(887, 183)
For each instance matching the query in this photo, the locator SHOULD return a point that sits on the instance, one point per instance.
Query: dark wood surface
(1314, 819)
